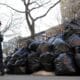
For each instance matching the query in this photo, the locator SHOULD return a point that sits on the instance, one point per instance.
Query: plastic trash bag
(33, 62)
(64, 65)
(46, 60)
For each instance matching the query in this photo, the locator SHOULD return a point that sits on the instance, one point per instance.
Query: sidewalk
(31, 77)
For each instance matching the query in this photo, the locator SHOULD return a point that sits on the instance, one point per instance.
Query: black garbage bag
(46, 60)
(18, 66)
(64, 64)
(60, 46)
(74, 40)
(50, 40)
(16, 70)
(33, 62)
(21, 52)
(17, 56)
(17, 61)
(77, 59)
(54, 41)
(7, 59)
(34, 45)
(21, 61)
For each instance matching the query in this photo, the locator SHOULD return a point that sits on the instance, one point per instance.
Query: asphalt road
(31, 77)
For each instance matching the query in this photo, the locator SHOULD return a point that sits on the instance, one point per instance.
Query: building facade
(70, 9)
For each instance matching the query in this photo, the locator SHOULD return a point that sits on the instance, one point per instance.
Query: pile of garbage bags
(59, 54)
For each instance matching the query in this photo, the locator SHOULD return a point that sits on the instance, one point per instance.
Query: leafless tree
(29, 18)
(12, 24)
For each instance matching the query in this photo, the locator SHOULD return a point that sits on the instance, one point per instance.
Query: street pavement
(33, 77)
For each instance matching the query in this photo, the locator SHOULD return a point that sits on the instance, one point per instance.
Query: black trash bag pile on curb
(59, 54)
(15, 62)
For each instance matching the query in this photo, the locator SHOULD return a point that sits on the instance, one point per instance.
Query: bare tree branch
(24, 1)
(12, 23)
(47, 11)
(12, 8)
(8, 25)
(26, 4)
(39, 6)
(28, 1)
(34, 2)
(31, 16)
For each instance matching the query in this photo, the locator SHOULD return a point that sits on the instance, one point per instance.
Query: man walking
(1, 55)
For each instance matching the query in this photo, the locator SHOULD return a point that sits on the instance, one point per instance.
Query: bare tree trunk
(31, 26)
(33, 31)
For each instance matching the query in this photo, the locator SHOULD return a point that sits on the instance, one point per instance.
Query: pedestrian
(1, 55)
